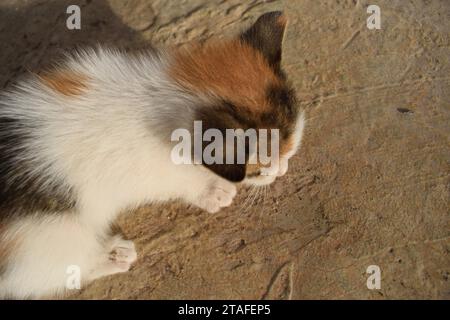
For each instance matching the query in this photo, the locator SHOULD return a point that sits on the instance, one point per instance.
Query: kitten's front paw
(219, 194)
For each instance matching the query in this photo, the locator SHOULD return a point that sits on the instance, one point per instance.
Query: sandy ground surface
(371, 185)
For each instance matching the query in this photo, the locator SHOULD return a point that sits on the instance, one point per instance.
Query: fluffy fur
(90, 139)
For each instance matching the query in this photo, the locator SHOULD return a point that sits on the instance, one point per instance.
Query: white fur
(101, 145)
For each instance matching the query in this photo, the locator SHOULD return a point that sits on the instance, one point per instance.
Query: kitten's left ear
(266, 35)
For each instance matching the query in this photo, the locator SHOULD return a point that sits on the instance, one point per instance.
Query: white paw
(219, 194)
(119, 256)
(122, 254)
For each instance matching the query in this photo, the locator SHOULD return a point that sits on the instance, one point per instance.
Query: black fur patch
(20, 193)
(222, 117)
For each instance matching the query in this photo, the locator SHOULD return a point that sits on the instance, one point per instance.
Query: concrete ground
(370, 186)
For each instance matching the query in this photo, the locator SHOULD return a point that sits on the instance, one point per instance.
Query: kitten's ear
(266, 35)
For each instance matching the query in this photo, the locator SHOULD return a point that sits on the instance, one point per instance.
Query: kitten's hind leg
(49, 251)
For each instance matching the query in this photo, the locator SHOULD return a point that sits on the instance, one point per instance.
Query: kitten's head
(244, 86)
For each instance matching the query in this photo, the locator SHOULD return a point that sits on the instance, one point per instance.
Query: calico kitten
(91, 138)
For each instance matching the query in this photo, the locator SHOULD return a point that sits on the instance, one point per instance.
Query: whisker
(247, 199)
(265, 196)
(266, 192)
(255, 196)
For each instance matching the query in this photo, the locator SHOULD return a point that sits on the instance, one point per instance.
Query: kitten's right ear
(266, 35)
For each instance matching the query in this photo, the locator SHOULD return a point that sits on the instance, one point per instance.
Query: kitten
(91, 138)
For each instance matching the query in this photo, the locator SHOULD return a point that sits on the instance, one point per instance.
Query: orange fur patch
(282, 21)
(230, 70)
(67, 83)
(254, 169)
